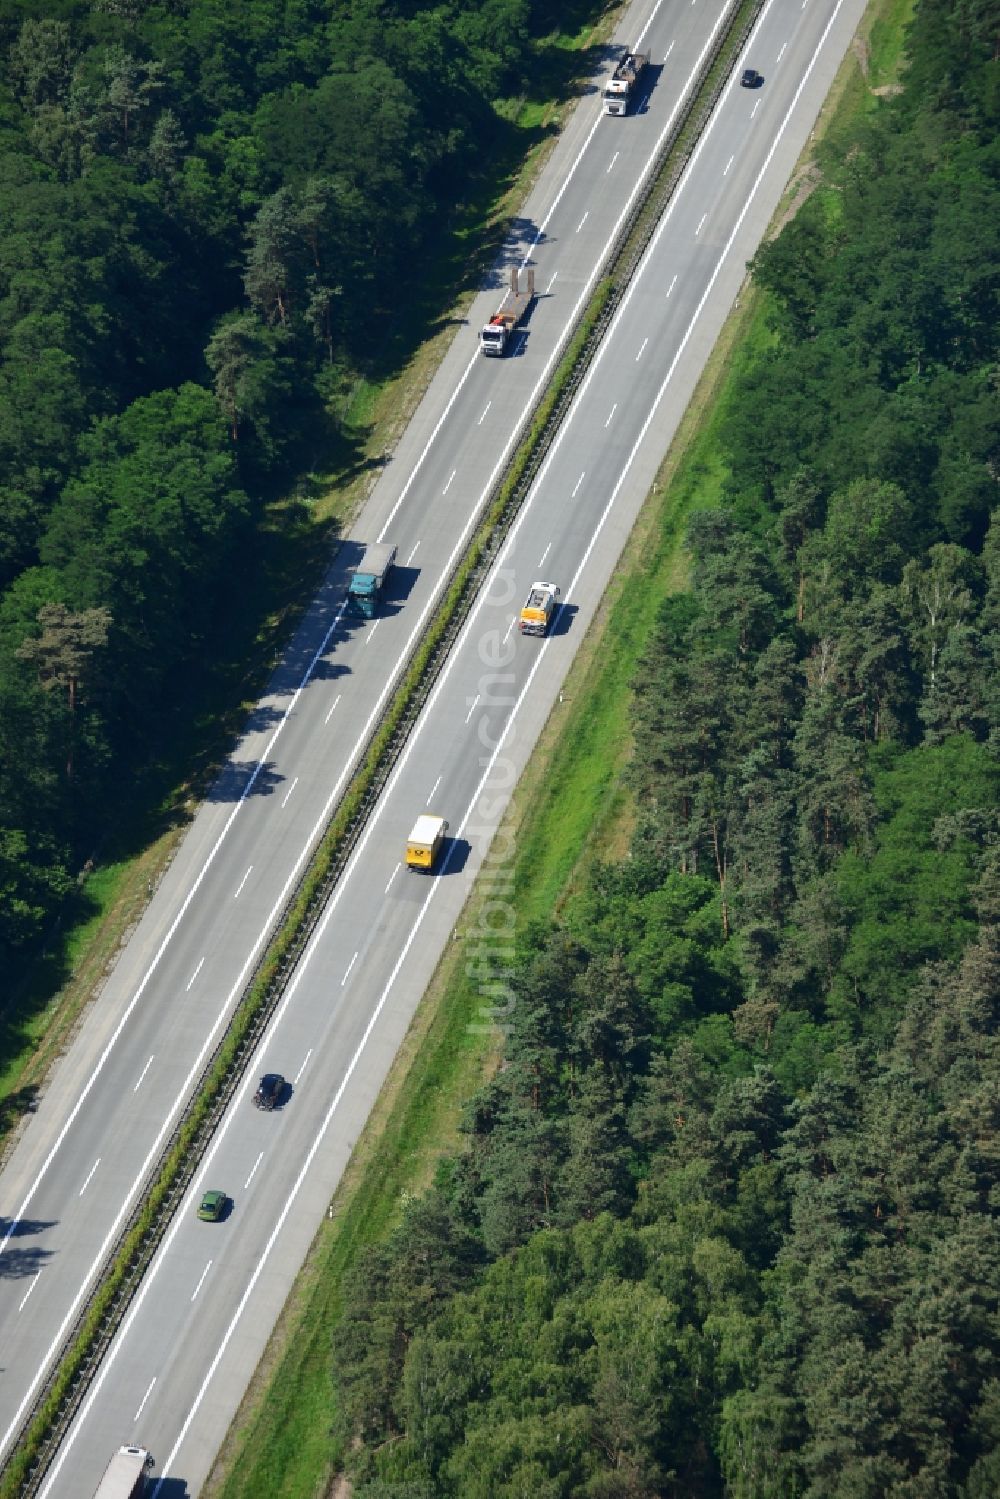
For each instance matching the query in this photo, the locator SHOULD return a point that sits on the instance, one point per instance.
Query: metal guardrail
(623, 261)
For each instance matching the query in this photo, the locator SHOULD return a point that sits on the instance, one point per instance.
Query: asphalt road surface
(195, 1333)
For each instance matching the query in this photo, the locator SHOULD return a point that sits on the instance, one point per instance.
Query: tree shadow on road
(233, 783)
(21, 1261)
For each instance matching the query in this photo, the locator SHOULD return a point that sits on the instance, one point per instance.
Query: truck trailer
(538, 609)
(494, 337)
(424, 842)
(125, 1475)
(623, 85)
(366, 586)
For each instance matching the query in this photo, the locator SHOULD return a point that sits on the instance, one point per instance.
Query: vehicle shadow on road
(564, 620)
(647, 84)
(459, 850)
(399, 585)
(171, 1488)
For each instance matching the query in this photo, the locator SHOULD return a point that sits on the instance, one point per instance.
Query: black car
(751, 78)
(269, 1090)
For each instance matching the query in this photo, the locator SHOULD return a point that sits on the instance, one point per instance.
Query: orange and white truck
(538, 609)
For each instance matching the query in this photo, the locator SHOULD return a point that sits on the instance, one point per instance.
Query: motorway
(196, 1331)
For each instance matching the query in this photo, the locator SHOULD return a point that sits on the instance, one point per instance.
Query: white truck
(538, 609)
(623, 85)
(125, 1475)
(494, 337)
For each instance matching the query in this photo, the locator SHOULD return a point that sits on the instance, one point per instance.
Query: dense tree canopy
(724, 1222)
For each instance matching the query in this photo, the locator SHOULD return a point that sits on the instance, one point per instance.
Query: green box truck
(368, 581)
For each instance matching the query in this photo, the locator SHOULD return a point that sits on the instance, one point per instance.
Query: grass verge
(886, 37)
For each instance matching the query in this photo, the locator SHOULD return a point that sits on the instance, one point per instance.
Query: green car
(212, 1207)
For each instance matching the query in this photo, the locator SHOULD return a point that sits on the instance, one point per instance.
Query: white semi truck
(125, 1475)
(623, 85)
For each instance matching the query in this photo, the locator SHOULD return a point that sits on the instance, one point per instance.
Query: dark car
(269, 1090)
(212, 1206)
(751, 78)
